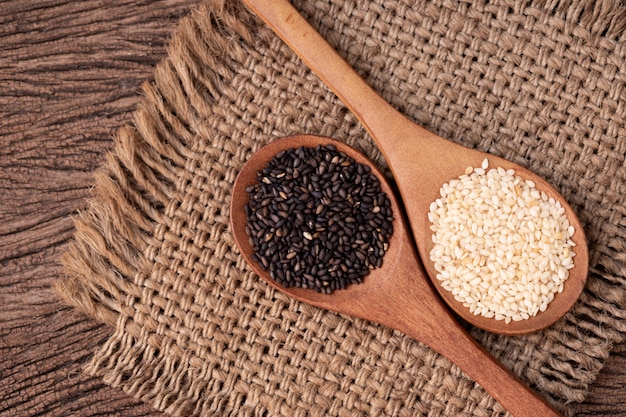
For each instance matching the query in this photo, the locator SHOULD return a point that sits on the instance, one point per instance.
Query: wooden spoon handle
(380, 119)
(504, 386)
(515, 396)
(411, 305)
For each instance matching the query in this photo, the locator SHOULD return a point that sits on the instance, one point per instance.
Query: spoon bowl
(562, 302)
(397, 295)
(420, 161)
(340, 300)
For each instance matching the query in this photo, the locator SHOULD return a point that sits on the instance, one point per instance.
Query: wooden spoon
(397, 295)
(421, 162)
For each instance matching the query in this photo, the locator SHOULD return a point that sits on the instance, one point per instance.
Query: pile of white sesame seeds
(502, 247)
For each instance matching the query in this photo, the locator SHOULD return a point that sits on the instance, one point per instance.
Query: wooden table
(70, 75)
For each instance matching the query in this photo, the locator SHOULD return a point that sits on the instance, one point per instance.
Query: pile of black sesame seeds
(318, 219)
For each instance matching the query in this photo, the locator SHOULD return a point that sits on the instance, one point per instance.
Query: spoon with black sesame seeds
(318, 221)
(501, 246)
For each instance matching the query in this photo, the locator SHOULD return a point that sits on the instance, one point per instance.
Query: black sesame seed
(317, 219)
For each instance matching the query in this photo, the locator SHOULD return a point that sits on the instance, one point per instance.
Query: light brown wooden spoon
(421, 162)
(397, 295)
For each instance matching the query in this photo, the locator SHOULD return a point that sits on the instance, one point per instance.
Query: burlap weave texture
(196, 333)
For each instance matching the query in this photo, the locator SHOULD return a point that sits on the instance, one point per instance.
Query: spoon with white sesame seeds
(397, 294)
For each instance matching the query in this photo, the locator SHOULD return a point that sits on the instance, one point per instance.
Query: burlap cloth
(196, 333)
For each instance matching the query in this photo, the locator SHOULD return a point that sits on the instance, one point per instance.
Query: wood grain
(69, 77)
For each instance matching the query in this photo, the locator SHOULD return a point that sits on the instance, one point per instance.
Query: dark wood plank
(43, 347)
(608, 394)
(69, 77)
(70, 74)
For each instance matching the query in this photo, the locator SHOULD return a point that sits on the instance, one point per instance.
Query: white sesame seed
(500, 245)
